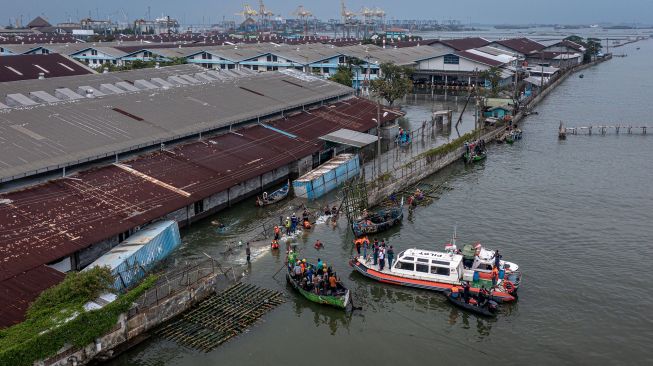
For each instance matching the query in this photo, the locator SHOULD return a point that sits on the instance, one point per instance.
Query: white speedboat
(432, 270)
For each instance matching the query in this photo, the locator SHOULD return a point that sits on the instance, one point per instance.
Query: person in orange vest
(495, 276)
(358, 243)
(454, 291)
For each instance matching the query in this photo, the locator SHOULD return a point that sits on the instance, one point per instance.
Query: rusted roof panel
(26, 67)
(18, 292)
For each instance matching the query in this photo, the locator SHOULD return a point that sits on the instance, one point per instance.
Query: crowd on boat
(379, 251)
(320, 279)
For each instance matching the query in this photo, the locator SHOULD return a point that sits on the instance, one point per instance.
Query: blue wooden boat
(274, 197)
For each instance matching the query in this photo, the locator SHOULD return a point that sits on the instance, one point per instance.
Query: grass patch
(57, 317)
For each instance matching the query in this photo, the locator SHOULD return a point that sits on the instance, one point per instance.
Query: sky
(466, 11)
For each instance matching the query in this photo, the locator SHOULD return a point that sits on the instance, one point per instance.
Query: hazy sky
(477, 11)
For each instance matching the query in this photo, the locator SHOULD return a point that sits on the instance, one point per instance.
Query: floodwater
(576, 215)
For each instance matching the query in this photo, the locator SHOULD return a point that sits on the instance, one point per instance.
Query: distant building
(38, 22)
(395, 33)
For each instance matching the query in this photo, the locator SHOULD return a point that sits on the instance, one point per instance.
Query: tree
(493, 75)
(592, 46)
(343, 76)
(395, 82)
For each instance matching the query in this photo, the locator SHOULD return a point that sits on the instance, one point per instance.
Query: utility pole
(378, 135)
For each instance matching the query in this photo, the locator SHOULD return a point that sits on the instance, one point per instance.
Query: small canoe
(379, 221)
(488, 310)
(475, 157)
(339, 300)
(274, 197)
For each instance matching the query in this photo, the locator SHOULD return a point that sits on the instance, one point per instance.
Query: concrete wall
(423, 167)
(131, 329)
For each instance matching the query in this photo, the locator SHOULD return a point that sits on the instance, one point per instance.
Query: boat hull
(339, 302)
(274, 197)
(361, 229)
(459, 302)
(418, 283)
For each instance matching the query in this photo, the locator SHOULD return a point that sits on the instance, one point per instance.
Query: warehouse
(67, 223)
(56, 124)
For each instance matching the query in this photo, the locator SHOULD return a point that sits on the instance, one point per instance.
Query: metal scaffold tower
(354, 199)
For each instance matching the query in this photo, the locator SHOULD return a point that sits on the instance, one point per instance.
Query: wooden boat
(474, 157)
(379, 221)
(475, 151)
(488, 310)
(339, 300)
(274, 197)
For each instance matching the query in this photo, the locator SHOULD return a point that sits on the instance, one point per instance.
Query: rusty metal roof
(44, 223)
(18, 292)
(25, 67)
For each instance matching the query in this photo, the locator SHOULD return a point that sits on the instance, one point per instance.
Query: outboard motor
(492, 306)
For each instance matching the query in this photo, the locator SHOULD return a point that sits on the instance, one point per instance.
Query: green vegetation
(394, 83)
(447, 148)
(138, 64)
(493, 75)
(57, 318)
(592, 46)
(343, 76)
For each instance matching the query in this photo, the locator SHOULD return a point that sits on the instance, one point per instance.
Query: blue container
(327, 176)
(476, 276)
(502, 273)
(133, 258)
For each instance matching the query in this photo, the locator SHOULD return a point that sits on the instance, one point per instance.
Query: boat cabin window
(408, 259)
(423, 260)
(484, 267)
(439, 271)
(422, 268)
(406, 266)
(440, 263)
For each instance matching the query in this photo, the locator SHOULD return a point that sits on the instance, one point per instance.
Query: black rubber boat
(489, 310)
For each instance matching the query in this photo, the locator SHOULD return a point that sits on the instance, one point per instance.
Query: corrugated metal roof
(348, 137)
(18, 292)
(44, 223)
(91, 128)
(479, 58)
(26, 67)
(521, 45)
(462, 44)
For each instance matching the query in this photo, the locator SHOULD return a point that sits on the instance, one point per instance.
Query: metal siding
(147, 247)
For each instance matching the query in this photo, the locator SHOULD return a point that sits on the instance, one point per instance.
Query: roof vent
(41, 75)
(89, 93)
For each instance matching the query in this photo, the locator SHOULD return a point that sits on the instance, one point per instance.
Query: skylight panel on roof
(15, 71)
(40, 68)
(66, 66)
